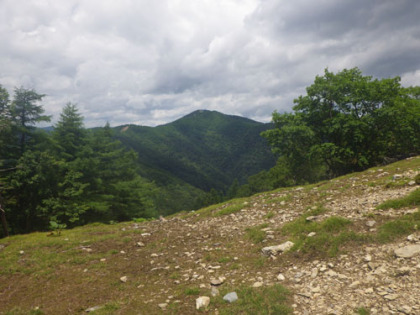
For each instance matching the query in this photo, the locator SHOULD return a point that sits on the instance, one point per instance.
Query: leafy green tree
(346, 122)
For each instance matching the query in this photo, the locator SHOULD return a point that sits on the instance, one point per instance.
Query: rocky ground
(166, 264)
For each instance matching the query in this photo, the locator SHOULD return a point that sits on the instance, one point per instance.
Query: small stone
(312, 234)
(21, 252)
(313, 218)
(370, 223)
(314, 272)
(411, 238)
(124, 279)
(214, 291)
(391, 297)
(411, 183)
(202, 302)
(217, 282)
(154, 255)
(231, 297)
(274, 250)
(403, 271)
(163, 305)
(280, 277)
(140, 244)
(257, 284)
(354, 284)
(367, 258)
(93, 308)
(103, 259)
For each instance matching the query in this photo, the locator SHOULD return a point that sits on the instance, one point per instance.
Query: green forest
(71, 175)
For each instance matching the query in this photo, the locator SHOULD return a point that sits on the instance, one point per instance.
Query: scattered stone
(370, 223)
(407, 251)
(21, 252)
(274, 250)
(124, 279)
(397, 176)
(411, 183)
(280, 277)
(217, 282)
(313, 218)
(163, 306)
(312, 234)
(94, 308)
(257, 284)
(412, 238)
(403, 271)
(202, 302)
(391, 297)
(367, 258)
(314, 272)
(214, 291)
(231, 297)
(140, 244)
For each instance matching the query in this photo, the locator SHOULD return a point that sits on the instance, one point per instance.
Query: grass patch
(331, 234)
(192, 291)
(263, 301)
(411, 200)
(362, 311)
(269, 215)
(255, 234)
(402, 226)
(230, 209)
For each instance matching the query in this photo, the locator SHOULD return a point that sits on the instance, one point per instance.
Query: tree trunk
(3, 221)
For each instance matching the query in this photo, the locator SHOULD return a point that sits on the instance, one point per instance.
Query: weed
(224, 260)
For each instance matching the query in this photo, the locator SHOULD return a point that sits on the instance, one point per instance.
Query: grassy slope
(82, 267)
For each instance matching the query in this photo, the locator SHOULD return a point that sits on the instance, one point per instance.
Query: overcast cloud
(151, 62)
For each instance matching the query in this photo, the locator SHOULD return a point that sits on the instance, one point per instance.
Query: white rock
(274, 250)
(231, 297)
(202, 301)
(124, 279)
(280, 277)
(407, 251)
(257, 284)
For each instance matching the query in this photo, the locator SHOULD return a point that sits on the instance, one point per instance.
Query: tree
(69, 133)
(26, 112)
(347, 122)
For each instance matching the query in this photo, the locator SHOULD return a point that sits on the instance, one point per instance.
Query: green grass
(192, 291)
(411, 200)
(399, 227)
(362, 311)
(255, 234)
(331, 234)
(273, 299)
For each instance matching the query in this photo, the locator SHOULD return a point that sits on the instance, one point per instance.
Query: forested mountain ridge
(205, 149)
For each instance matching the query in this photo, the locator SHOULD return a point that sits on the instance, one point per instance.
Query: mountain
(356, 252)
(205, 149)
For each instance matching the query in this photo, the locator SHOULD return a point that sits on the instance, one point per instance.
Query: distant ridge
(205, 149)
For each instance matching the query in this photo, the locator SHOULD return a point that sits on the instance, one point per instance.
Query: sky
(151, 62)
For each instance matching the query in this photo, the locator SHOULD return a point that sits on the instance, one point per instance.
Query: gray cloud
(151, 62)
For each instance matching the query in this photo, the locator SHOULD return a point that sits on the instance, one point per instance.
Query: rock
(274, 250)
(312, 234)
(163, 305)
(391, 297)
(217, 282)
(257, 284)
(280, 277)
(202, 302)
(21, 252)
(411, 183)
(214, 291)
(367, 258)
(231, 297)
(313, 218)
(94, 308)
(407, 251)
(403, 271)
(314, 272)
(370, 223)
(140, 244)
(397, 176)
(123, 279)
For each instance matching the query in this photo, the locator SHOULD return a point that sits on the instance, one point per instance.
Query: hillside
(205, 149)
(348, 255)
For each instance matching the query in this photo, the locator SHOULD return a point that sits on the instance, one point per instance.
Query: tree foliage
(346, 122)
